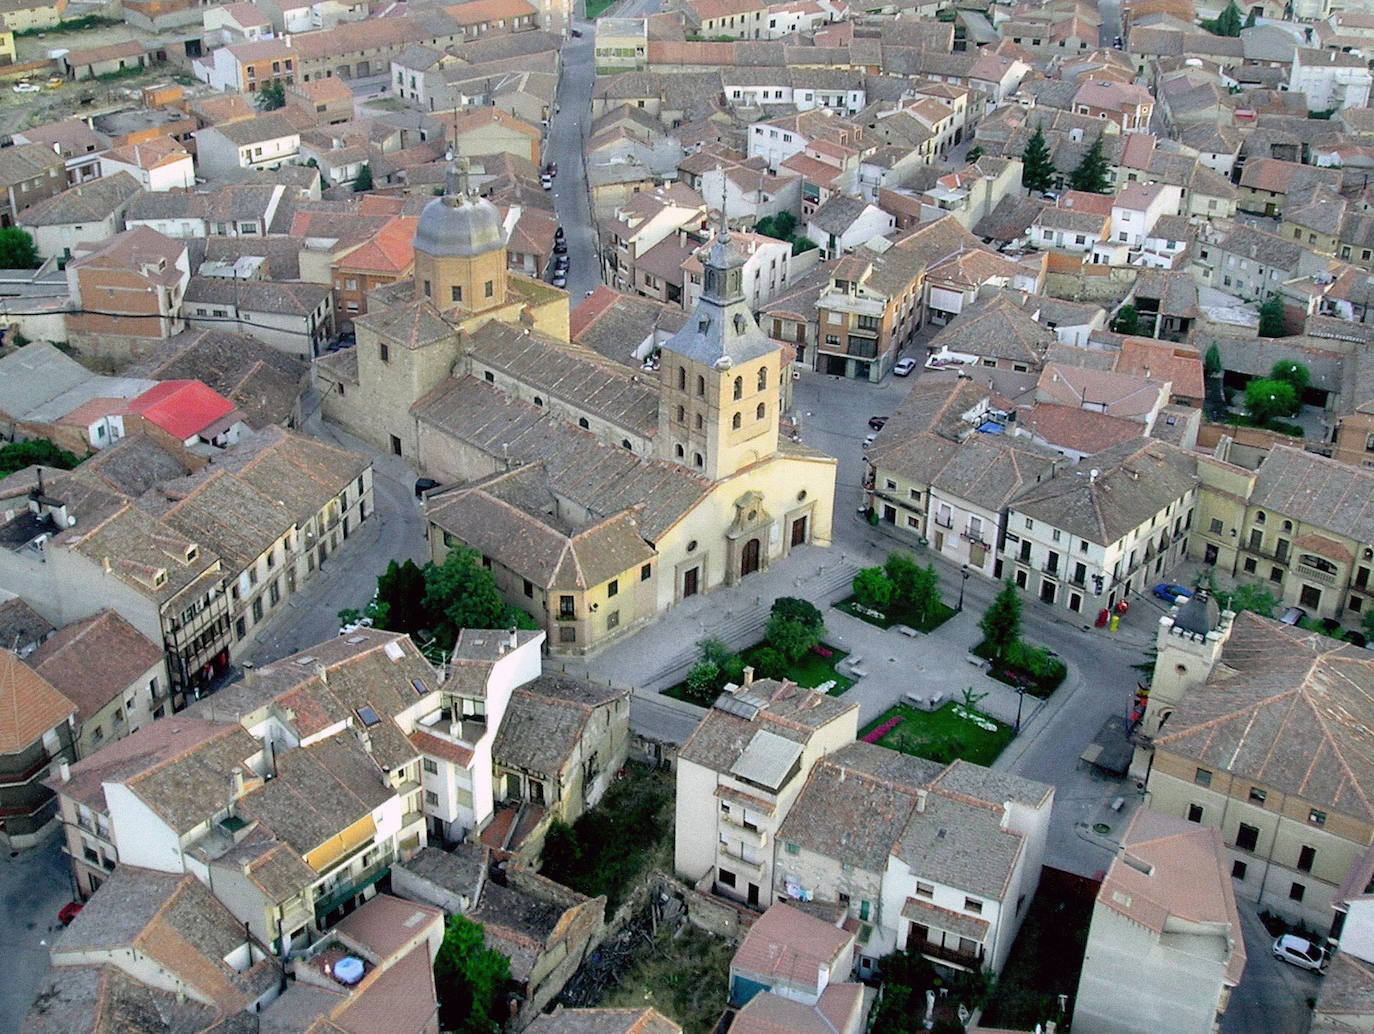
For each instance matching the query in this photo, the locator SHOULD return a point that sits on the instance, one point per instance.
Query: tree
(1093, 172)
(915, 589)
(1254, 598)
(18, 455)
(271, 97)
(770, 664)
(1127, 320)
(460, 593)
(974, 153)
(1367, 623)
(1001, 622)
(779, 226)
(401, 590)
(1266, 399)
(803, 243)
(790, 637)
(704, 681)
(1271, 317)
(1211, 362)
(1293, 372)
(364, 180)
(872, 588)
(1251, 18)
(1037, 168)
(795, 609)
(1229, 22)
(561, 855)
(468, 977)
(17, 250)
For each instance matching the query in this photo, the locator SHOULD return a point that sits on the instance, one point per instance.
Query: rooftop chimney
(921, 799)
(64, 770)
(237, 776)
(748, 674)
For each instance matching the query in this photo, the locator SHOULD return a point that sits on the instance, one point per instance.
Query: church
(598, 495)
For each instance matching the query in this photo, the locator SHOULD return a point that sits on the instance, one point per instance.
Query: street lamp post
(1020, 699)
(963, 572)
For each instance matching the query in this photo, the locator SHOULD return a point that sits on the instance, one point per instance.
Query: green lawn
(942, 735)
(595, 8)
(1035, 667)
(810, 672)
(896, 616)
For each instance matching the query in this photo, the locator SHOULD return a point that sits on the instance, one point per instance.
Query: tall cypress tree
(1092, 172)
(1037, 170)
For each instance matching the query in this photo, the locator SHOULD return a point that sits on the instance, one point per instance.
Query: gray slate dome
(458, 226)
(1199, 614)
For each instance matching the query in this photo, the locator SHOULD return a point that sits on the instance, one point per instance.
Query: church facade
(598, 495)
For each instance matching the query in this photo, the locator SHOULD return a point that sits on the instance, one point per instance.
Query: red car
(68, 912)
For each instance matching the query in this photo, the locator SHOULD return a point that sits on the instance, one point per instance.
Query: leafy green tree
(1251, 18)
(714, 651)
(364, 180)
(1001, 622)
(1271, 317)
(802, 244)
(974, 153)
(780, 226)
(1266, 399)
(1254, 598)
(18, 455)
(1093, 173)
(1037, 167)
(469, 978)
(872, 588)
(796, 609)
(271, 97)
(17, 250)
(915, 589)
(1229, 22)
(401, 590)
(790, 637)
(704, 681)
(1293, 372)
(769, 663)
(461, 593)
(1211, 362)
(1127, 320)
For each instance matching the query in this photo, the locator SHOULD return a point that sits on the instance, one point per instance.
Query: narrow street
(565, 145)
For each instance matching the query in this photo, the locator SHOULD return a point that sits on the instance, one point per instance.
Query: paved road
(396, 531)
(1110, 12)
(567, 131)
(1272, 995)
(34, 884)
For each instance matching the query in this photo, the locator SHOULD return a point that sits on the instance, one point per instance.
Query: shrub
(704, 681)
(797, 609)
(873, 588)
(789, 637)
(769, 663)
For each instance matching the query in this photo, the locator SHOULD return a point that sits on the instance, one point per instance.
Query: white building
(1330, 79)
(766, 266)
(264, 142)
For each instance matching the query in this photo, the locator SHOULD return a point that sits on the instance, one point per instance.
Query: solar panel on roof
(420, 687)
(368, 715)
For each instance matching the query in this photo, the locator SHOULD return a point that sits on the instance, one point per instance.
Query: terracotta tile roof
(93, 661)
(603, 1021)
(476, 11)
(1076, 429)
(433, 746)
(389, 252)
(838, 1011)
(30, 705)
(787, 944)
(1170, 869)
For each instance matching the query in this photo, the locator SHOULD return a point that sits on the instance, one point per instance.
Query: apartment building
(127, 293)
(1088, 538)
(29, 173)
(263, 142)
(40, 736)
(738, 776)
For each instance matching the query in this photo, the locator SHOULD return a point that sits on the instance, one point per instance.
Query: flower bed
(1033, 668)
(953, 732)
(896, 615)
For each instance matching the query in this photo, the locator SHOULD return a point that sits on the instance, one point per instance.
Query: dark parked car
(558, 234)
(1356, 638)
(423, 485)
(560, 278)
(876, 422)
(560, 246)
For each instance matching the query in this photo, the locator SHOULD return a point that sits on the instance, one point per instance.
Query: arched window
(582, 423)
(625, 444)
(1260, 517)
(682, 378)
(1287, 525)
(739, 388)
(538, 401)
(701, 386)
(763, 378)
(681, 414)
(699, 422)
(677, 449)
(697, 460)
(735, 421)
(761, 411)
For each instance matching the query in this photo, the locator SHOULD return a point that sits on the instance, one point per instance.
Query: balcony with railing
(1314, 574)
(736, 859)
(747, 834)
(950, 956)
(351, 887)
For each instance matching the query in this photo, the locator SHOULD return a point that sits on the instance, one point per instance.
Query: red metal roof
(181, 408)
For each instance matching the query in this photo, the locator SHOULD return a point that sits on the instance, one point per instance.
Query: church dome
(458, 226)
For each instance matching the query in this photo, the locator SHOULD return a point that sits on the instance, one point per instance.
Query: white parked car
(26, 88)
(1301, 952)
(903, 367)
